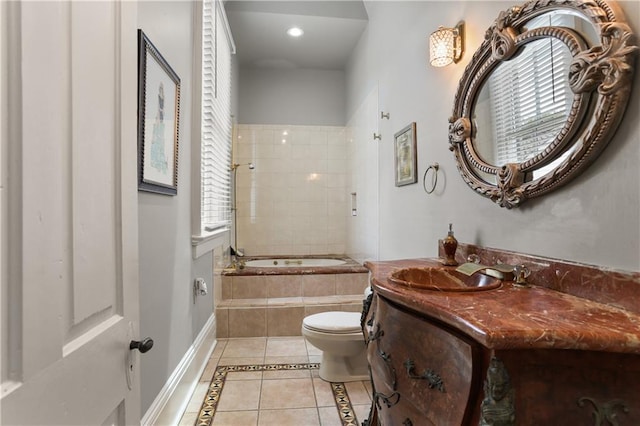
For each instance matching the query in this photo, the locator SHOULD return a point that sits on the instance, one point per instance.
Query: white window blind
(530, 99)
(216, 118)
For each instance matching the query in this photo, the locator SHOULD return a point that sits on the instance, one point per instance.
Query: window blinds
(530, 99)
(216, 119)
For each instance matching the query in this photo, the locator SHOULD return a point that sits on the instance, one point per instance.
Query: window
(216, 124)
(531, 111)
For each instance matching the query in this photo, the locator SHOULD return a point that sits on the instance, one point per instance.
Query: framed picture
(158, 118)
(406, 161)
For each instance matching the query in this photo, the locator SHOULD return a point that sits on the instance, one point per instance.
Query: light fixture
(446, 45)
(295, 32)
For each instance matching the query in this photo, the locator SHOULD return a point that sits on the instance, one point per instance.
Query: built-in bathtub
(294, 265)
(269, 296)
(291, 262)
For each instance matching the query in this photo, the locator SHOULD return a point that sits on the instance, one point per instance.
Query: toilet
(339, 336)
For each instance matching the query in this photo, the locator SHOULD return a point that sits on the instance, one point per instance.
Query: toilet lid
(334, 322)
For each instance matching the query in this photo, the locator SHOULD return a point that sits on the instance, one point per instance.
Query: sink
(443, 279)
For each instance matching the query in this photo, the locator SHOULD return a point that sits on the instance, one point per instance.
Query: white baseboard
(168, 406)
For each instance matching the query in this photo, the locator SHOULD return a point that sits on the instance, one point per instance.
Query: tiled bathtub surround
(256, 302)
(295, 201)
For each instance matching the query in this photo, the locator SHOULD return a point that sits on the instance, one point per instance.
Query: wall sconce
(446, 45)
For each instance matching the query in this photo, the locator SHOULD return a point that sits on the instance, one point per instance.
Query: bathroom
(592, 220)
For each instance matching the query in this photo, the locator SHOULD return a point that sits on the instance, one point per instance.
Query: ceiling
(331, 31)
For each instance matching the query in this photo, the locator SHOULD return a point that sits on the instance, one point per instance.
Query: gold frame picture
(406, 158)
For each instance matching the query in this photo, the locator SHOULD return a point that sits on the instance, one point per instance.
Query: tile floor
(269, 398)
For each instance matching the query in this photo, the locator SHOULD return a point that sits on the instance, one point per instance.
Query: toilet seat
(334, 322)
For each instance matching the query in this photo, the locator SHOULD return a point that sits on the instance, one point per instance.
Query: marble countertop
(513, 317)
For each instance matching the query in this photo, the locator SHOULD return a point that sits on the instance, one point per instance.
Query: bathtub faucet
(234, 252)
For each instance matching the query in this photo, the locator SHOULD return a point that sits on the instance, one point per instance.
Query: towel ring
(434, 178)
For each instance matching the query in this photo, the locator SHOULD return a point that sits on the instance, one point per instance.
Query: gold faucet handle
(522, 273)
(473, 258)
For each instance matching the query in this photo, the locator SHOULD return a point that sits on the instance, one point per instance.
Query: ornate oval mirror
(541, 97)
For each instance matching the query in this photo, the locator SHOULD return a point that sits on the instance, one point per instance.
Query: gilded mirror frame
(600, 78)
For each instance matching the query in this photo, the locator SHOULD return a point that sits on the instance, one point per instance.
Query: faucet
(235, 252)
(500, 271)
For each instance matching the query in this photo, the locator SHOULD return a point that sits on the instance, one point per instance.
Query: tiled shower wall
(296, 200)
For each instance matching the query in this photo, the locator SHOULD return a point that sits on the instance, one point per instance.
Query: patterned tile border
(210, 403)
(340, 396)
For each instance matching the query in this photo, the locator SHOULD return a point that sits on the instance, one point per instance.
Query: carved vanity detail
(421, 372)
(505, 356)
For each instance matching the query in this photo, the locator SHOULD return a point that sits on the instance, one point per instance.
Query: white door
(69, 213)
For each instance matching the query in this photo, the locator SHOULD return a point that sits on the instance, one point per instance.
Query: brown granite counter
(512, 317)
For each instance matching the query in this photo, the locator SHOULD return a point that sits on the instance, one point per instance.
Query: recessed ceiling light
(295, 32)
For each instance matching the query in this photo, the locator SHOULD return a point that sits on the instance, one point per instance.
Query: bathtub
(293, 263)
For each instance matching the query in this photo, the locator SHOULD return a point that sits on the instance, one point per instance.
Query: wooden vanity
(506, 356)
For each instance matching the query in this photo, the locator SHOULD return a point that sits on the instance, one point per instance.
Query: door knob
(142, 345)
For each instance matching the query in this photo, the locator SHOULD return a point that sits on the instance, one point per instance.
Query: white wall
(168, 313)
(594, 219)
(291, 96)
